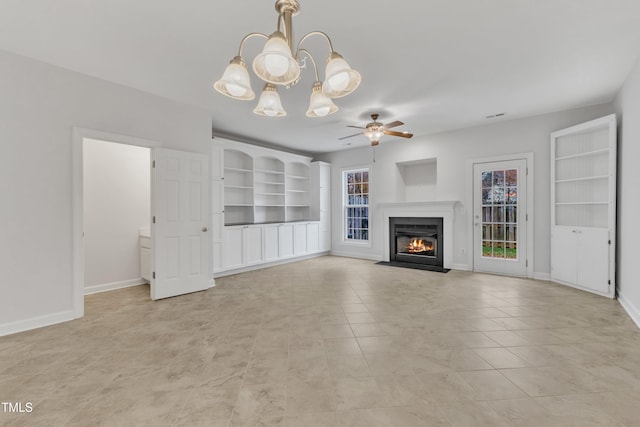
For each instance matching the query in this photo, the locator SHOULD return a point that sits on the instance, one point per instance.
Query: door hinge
(154, 274)
(609, 282)
(154, 219)
(527, 171)
(526, 263)
(526, 217)
(153, 164)
(609, 241)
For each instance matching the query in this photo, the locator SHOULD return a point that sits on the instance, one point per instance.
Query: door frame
(528, 157)
(78, 136)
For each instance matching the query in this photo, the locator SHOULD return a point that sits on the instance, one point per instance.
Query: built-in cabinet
(583, 202)
(268, 206)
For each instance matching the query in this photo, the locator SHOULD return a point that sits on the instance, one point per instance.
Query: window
(356, 204)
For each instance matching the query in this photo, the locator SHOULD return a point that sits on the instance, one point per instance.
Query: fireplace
(416, 240)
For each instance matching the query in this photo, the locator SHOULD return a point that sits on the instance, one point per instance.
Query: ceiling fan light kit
(278, 66)
(376, 130)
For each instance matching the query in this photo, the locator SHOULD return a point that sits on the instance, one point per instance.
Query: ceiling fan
(375, 130)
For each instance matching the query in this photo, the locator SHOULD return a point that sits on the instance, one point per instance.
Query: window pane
(498, 178)
(486, 214)
(486, 180)
(498, 214)
(512, 214)
(487, 249)
(512, 177)
(486, 232)
(512, 195)
(498, 195)
(358, 176)
(498, 249)
(498, 232)
(486, 196)
(511, 252)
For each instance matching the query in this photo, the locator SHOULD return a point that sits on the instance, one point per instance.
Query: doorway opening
(116, 215)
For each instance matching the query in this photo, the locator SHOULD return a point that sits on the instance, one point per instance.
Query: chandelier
(277, 65)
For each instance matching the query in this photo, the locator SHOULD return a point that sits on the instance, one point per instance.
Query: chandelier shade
(276, 64)
(320, 105)
(269, 104)
(279, 64)
(340, 78)
(235, 81)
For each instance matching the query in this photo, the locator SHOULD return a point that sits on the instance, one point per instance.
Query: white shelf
(260, 205)
(586, 178)
(580, 203)
(297, 177)
(297, 191)
(269, 182)
(239, 204)
(238, 169)
(238, 187)
(270, 194)
(270, 172)
(297, 206)
(585, 154)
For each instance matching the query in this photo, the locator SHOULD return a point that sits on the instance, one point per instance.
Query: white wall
(628, 109)
(452, 150)
(39, 106)
(117, 202)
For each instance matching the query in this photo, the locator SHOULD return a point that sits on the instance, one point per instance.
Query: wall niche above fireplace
(416, 240)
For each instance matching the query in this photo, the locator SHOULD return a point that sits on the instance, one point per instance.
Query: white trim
(631, 309)
(528, 157)
(268, 264)
(436, 209)
(78, 135)
(542, 276)
(36, 322)
(462, 267)
(105, 287)
(211, 283)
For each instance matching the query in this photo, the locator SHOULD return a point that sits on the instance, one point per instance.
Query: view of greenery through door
(500, 214)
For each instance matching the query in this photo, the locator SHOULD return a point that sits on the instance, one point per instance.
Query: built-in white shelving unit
(275, 207)
(583, 199)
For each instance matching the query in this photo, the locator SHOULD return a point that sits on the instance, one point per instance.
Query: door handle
(204, 229)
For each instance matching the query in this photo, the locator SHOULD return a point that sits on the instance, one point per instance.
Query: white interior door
(500, 214)
(180, 239)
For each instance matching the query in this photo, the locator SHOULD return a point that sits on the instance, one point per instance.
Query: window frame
(346, 206)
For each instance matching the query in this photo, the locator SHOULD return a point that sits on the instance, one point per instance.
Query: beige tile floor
(333, 342)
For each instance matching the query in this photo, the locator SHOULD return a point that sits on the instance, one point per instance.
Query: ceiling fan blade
(394, 133)
(357, 127)
(393, 124)
(350, 136)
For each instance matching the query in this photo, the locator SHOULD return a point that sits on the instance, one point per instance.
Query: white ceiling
(434, 64)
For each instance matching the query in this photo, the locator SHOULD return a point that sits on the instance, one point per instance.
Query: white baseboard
(631, 309)
(463, 267)
(541, 276)
(114, 285)
(267, 264)
(356, 255)
(211, 283)
(35, 322)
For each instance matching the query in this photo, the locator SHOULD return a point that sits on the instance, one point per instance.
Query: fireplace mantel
(437, 209)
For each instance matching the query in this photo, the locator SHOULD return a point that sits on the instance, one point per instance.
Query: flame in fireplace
(419, 245)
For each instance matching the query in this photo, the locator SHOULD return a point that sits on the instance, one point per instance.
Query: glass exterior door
(499, 217)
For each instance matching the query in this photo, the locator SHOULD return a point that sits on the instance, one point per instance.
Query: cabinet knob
(204, 229)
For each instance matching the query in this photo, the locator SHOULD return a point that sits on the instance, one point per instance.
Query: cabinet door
(271, 242)
(300, 239)
(564, 256)
(234, 247)
(285, 240)
(253, 244)
(313, 237)
(592, 258)
(325, 241)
